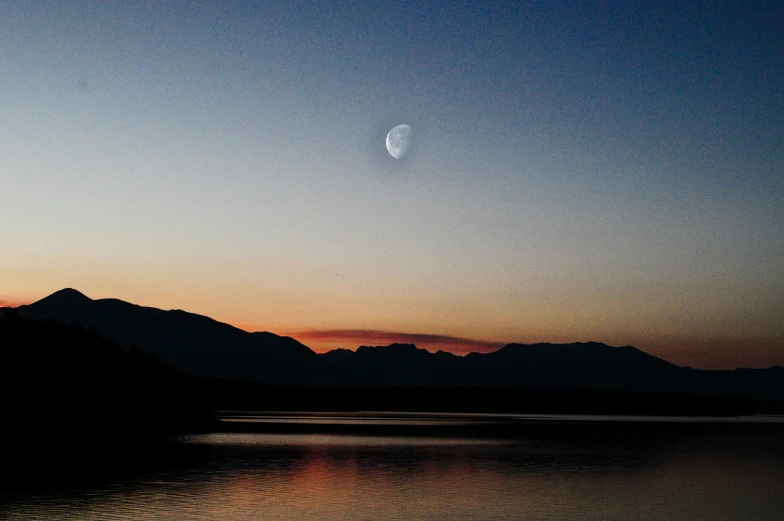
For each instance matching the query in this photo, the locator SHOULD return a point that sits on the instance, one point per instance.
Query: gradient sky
(609, 171)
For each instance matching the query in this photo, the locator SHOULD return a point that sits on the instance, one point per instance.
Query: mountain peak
(66, 295)
(393, 352)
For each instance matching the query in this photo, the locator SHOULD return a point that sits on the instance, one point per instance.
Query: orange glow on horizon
(695, 350)
(10, 303)
(431, 342)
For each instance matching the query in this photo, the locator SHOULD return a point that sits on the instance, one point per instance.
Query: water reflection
(577, 473)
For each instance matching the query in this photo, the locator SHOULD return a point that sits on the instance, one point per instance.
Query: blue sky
(580, 170)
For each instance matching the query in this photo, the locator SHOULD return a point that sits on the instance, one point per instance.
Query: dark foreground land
(237, 395)
(67, 380)
(76, 407)
(61, 381)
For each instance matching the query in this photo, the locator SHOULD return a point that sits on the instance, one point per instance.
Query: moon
(398, 141)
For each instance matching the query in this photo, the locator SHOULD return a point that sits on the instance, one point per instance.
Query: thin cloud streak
(372, 336)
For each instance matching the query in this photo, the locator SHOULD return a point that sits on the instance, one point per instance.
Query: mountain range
(199, 345)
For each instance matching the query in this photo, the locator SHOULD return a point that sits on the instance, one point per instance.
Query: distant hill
(561, 366)
(192, 343)
(581, 365)
(201, 346)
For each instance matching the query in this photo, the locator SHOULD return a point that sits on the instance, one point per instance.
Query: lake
(417, 467)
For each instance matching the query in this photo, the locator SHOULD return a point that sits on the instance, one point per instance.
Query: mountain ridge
(202, 346)
(184, 340)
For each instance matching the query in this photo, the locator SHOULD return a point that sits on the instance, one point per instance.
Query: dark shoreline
(249, 396)
(201, 412)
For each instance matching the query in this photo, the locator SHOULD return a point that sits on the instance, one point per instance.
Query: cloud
(375, 337)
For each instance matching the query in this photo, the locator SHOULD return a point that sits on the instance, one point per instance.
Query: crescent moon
(398, 141)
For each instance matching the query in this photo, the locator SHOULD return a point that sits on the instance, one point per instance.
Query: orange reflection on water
(577, 473)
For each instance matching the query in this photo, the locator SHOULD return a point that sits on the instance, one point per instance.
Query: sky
(606, 171)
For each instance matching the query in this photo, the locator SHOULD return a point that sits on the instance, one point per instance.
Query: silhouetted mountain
(192, 343)
(581, 365)
(589, 365)
(397, 364)
(201, 346)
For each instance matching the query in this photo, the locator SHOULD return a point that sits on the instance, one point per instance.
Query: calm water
(557, 470)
